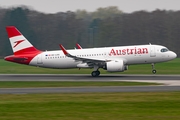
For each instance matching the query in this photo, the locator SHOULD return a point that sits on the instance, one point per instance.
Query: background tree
(17, 17)
(104, 27)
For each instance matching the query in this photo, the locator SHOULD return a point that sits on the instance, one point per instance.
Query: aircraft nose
(173, 55)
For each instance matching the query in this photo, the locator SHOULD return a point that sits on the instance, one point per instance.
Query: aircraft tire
(154, 71)
(98, 73)
(95, 73)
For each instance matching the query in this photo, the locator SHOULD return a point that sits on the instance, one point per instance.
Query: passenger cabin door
(39, 59)
(152, 51)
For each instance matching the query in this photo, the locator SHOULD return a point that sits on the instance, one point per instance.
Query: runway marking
(163, 82)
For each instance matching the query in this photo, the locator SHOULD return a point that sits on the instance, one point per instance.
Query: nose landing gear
(153, 68)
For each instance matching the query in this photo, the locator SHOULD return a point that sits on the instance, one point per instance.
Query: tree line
(102, 28)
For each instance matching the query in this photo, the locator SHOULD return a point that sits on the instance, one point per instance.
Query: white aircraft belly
(54, 62)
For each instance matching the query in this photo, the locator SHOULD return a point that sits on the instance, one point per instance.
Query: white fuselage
(137, 54)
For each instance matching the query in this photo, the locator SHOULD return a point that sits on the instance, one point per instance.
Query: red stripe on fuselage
(23, 56)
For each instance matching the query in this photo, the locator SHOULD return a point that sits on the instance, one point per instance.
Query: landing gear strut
(153, 68)
(96, 72)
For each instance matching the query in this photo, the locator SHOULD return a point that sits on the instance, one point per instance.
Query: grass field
(171, 67)
(88, 106)
(91, 106)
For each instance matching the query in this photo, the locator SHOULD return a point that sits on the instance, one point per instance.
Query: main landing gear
(153, 68)
(96, 72)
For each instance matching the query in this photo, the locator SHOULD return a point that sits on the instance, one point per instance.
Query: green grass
(26, 84)
(171, 67)
(91, 106)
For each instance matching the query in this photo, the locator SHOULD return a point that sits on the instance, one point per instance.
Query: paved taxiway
(171, 83)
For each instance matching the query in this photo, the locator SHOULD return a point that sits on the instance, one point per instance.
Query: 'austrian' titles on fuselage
(128, 51)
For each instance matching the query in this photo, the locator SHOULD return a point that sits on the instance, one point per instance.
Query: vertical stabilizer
(19, 44)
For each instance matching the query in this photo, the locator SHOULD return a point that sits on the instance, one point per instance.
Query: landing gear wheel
(153, 68)
(98, 73)
(154, 71)
(95, 73)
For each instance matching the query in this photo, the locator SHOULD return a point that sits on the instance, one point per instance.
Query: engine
(116, 66)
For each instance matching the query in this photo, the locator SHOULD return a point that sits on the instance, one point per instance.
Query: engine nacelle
(116, 66)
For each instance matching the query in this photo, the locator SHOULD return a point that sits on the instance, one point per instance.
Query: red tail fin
(23, 50)
(19, 43)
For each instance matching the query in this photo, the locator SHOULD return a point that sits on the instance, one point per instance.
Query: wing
(89, 61)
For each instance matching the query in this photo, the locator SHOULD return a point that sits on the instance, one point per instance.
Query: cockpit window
(164, 50)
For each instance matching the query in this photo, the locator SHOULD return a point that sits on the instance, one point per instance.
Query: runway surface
(171, 83)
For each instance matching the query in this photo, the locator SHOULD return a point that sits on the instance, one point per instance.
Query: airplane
(112, 59)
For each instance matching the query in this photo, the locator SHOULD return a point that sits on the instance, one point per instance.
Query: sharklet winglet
(65, 51)
(78, 46)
